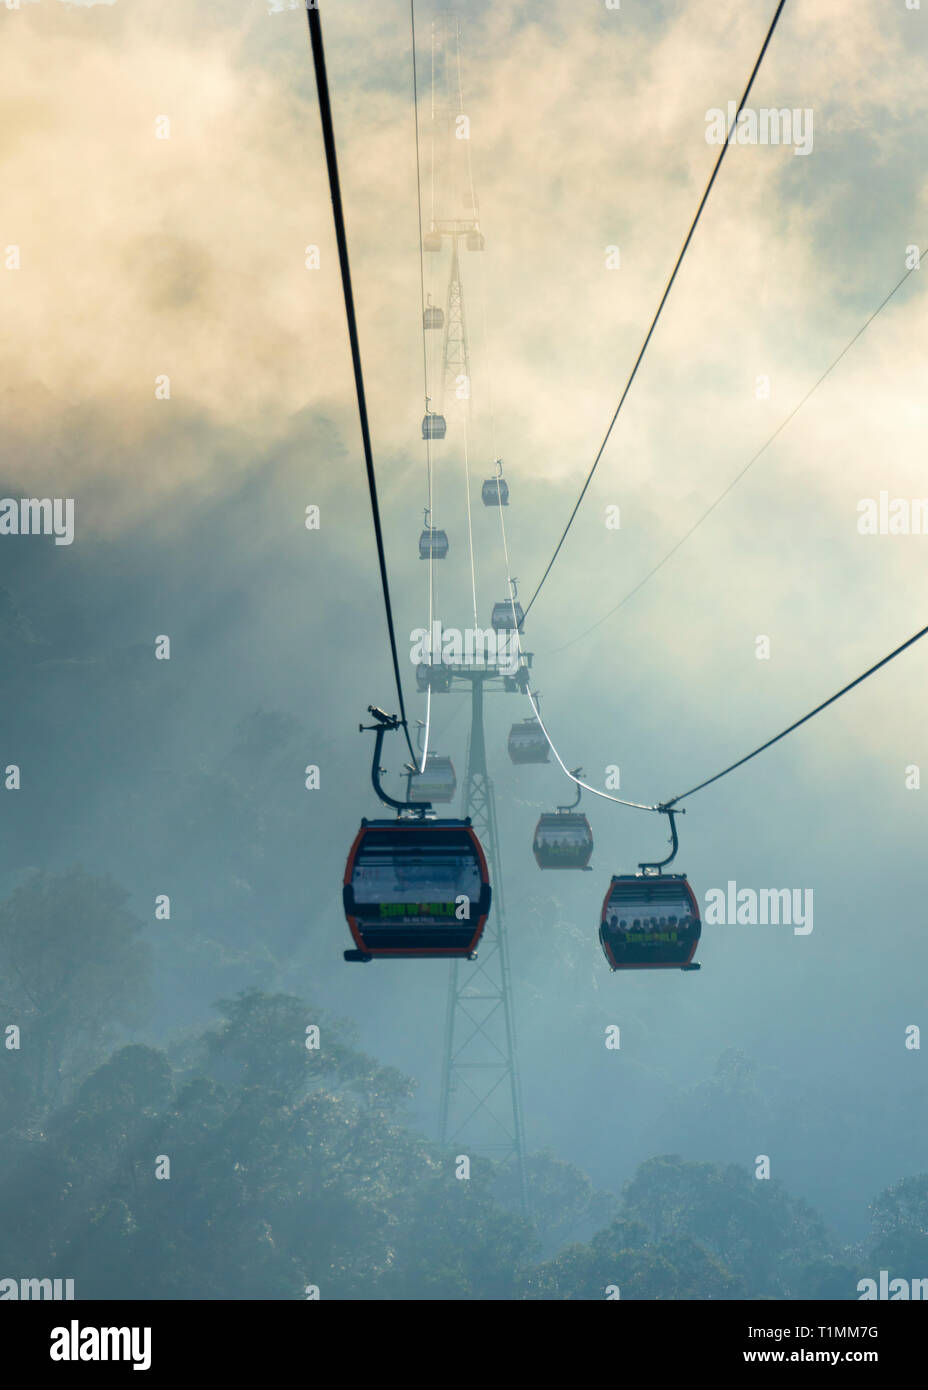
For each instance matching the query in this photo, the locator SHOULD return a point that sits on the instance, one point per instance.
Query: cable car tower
(481, 1103)
(455, 358)
(481, 1100)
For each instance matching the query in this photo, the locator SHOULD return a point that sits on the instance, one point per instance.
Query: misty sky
(185, 256)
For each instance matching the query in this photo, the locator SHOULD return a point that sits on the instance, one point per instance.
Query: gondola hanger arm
(655, 868)
(386, 723)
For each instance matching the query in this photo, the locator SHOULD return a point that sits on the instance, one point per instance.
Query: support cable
(738, 476)
(425, 377)
(663, 300)
(331, 159)
(805, 718)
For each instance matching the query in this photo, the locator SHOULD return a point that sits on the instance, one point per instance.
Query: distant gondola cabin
(433, 426)
(507, 616)
(563, 840)
(433, 676)
(495, 492)
(433, 544)
(527, 743)
(437, 783)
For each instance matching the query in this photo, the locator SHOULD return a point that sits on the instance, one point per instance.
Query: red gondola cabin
(408, 885)
(650, 922)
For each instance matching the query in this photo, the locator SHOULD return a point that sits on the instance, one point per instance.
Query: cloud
(185, 257)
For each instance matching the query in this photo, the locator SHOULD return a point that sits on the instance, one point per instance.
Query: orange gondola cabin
(650, 922)
(416, 888)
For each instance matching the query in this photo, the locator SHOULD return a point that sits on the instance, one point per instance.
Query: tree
(73, 973)
(562, 1199)
(900, 1228)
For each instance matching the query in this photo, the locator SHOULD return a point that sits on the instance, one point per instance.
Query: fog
(185, 256)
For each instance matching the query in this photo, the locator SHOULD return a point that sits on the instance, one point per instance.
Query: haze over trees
(237, 1162)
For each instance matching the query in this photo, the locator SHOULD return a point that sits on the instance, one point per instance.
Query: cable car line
(447, 105)
(331, 159)
(432, 178)
(425, 313)
(663, 300)
(470, 527)
(467, 403)
(738, 476)
(470, 167)
(482, 294)
(518, 619)
(466, 406)
(415, 101)
(594, 791)
(415, 887)
(428, 719)
(666, 805)
(517, 624)
(425, 365)
(409, 884)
